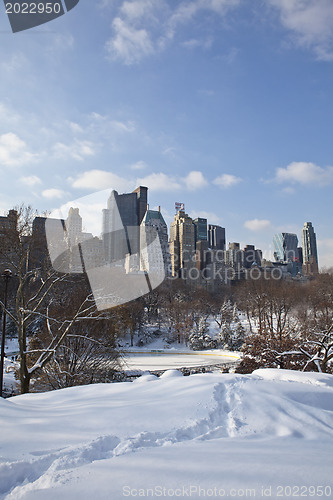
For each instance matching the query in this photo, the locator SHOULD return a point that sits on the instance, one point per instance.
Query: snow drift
(210, 435)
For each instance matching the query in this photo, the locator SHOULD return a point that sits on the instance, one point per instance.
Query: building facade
(200, 229)
(182, 245)
(285, 247)
(154, 257)
(216, 237)
(309, 247)
(121, 222)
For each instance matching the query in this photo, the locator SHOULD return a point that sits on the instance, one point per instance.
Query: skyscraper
(252, 256)
(200, 228)
(234, 256)
(216, 237)
(74, 226)
(285, 247)
(121, 222)
(309, 246)
(153, 226)
(182, 243)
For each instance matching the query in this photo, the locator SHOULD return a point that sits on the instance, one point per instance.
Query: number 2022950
(33, 8)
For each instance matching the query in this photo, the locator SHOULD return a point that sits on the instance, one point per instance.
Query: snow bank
(171, 374)
(178, 436)
(322, 379)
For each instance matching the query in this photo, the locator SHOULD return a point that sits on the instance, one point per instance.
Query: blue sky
(225, 105)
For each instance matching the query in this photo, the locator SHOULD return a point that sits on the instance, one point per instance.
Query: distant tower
(121, 223)
(200, 228)
(182, 243)
(216, 237)
(285, 247)
(153, 225)
(234, 256)
(252, 256)
(309, 246)
(74, 226)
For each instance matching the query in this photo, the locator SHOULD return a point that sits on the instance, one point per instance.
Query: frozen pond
(165, 360)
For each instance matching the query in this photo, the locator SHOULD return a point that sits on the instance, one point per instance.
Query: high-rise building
(285, 247)
(182, 244)
(216, 237)
(41, 252)
(251, 256)
(200, 229)
(8, 234)
(234, 256)
(121, 222)
(157, 257)
(309, 246)
(74, 226)
(300, 254)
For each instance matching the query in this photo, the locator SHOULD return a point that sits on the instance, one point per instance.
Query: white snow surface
(207, 435)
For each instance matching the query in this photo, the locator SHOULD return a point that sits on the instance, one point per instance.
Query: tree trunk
(25, 376)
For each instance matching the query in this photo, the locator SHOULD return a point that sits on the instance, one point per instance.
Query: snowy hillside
(208, 435)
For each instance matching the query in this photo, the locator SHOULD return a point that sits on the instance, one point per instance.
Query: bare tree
(38, 292)
(79, 350)
(295, 329)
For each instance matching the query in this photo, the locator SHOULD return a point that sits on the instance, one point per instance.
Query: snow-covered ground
(269, 434)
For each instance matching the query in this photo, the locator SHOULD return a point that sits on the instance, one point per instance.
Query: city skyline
(133, 207)
(223, 105)
(92, 224)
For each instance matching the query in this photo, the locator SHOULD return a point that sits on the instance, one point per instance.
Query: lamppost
(6, 276)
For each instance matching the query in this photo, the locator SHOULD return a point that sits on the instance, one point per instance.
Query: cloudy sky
(225, 105)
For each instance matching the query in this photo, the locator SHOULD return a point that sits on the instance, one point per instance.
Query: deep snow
(269, 434)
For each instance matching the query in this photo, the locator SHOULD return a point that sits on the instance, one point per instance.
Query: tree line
(64, 340)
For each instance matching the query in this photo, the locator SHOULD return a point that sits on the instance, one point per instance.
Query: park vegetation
(64, 340)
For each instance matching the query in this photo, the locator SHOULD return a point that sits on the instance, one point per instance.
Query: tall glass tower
(309, 246)
(285, 247)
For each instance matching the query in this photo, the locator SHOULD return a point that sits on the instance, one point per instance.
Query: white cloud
(53, 193)
(187, 10)
(31, 180)
(211, 217)
(257, 224)
(139, 165)
(305, 173)
(15, 63)
(90, 208)
(195, 180)
(13, 151)
(325, 251)
(61, 41)
(104, 126)
(170, 151)
(232, 55)
(129, 43)
(159, 182)
(101, 179)
(144, 27)
(226, 181)
(76, 128)
(122, 127)
(139, 9)
(163, 182)
(78, 150)
(310, 22)
(289, 190)
(193, 43)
